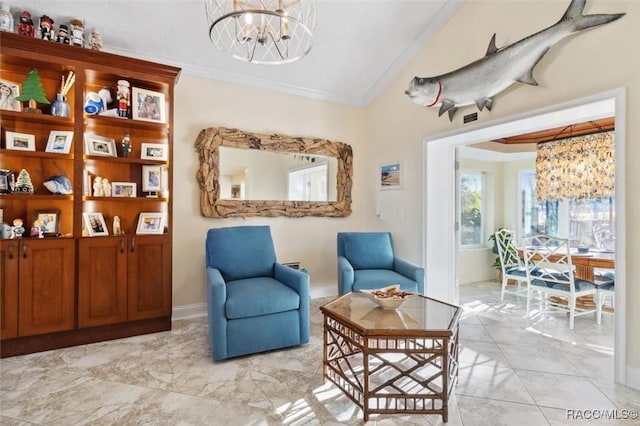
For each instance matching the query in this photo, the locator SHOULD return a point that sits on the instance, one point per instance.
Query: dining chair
(511, 264)
(606, 297)
(550, 274)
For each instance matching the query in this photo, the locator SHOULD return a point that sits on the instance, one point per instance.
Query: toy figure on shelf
(95, 42)
(63, 35)
(77, 33)
(124, 98)
(98, 190)
(25, 27)
(6, 18)
(126, 145)
(106, 187)
(116, 226)
(18, 229)
(46, 28)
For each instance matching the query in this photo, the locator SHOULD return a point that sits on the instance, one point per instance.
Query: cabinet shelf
(31, 197)
(124, 160)
(126, 199)
(35, 154)
(37, 118)
(124, 122)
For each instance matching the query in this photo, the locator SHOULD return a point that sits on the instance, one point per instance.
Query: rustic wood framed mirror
(312, 178)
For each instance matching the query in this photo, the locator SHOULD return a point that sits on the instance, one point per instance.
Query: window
(586, 222)
(471, 209)
(308, 184)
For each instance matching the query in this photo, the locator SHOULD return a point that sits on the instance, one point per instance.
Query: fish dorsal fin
(446, 106)
(492, 46)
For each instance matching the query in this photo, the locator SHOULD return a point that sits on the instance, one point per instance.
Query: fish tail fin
(584, 22)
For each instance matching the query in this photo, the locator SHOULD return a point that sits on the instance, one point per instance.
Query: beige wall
(593, 62)
(309, 240)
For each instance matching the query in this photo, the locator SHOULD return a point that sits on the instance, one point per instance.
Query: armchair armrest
(298, 281)
(345, 275)
(216, 299)
(411, 271)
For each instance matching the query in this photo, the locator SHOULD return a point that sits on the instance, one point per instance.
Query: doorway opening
(439, 241)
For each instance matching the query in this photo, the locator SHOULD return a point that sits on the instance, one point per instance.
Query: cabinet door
(102, 281)
(9, 289)
(46, 293)
(149, 277)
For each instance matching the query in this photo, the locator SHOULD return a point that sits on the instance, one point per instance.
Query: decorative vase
(60, 106)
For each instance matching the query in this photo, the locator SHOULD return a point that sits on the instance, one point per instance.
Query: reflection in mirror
(247, 174)
(293, 177)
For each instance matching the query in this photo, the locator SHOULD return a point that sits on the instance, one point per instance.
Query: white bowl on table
(390, 297)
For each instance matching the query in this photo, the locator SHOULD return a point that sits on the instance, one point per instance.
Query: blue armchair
(366, 260)
(254, 303)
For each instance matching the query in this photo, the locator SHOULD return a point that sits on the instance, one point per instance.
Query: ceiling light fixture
(262, 31)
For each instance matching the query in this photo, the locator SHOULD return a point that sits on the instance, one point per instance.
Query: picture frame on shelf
(7, 181)
(151, 178)
(148, 105)
(390, 176)
(48, 221)
(95, 224)
(123, 189)
(151, 223)
(9, 90)
(59, 142)
(20, 141)
(154, 151)
(100, 145)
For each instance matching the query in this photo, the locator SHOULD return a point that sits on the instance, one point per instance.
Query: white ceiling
(359, 45)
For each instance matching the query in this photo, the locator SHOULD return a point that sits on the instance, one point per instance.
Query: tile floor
(513, 370)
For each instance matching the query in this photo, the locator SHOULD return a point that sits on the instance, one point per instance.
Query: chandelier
(578, 168)
(262, 31)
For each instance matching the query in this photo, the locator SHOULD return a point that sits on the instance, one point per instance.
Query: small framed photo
(151, 178)
(48, 221)
(94, 224)
(8, 93)
(100, 145)
(20, 141)
(7, 181)
(123, 189)
(59, 142)
(390, 176)
(150, 223)
(148, 105)
(154, 151)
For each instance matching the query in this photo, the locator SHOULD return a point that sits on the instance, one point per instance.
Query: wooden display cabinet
(119, 285)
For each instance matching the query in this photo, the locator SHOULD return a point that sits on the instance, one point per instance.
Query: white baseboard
(633, 377)
(200, 309)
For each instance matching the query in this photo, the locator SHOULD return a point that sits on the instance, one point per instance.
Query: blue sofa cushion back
(251, 244)
(369, 250)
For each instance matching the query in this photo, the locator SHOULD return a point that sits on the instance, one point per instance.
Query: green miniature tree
(32, 90)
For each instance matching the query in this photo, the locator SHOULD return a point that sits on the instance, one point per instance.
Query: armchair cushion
(369, 250)
(252, 297)
(369, 279)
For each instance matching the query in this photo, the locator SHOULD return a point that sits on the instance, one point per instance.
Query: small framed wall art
(20, 141)
(154, 151)
(100, 145)
(390, 176)
(48, 222)
(94, 224)
(59, 142)
(148, 105)
(151, 223)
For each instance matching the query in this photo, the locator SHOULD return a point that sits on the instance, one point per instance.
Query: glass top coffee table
(392, 361)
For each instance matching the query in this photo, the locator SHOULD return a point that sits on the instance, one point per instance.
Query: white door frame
(439, 244)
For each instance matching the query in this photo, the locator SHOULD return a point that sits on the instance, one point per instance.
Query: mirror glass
(245, 174)
(289, 176)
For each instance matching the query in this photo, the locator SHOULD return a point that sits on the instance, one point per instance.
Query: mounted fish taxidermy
(479, 81)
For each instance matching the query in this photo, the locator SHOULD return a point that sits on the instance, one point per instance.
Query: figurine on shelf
(33, 92)
(126, 145)
(95, 42)
(116, 226)
(124, 98)
(63, 35)
(98, 190)
(35, 230)
(25, 27)
(105, 96)
(106, 187)
(18, 229)
(23, 183)
(6, 18)
(46, 28)
(77, 33)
